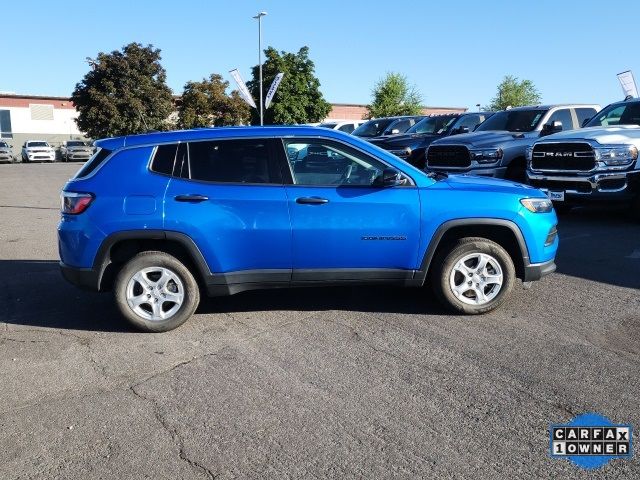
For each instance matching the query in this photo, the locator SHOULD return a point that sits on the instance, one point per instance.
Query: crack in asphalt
(86, 342)
(520, 389)
(7, 339)
(176, 438)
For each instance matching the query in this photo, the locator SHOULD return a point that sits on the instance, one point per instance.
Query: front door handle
(312, 200)
(191, 198)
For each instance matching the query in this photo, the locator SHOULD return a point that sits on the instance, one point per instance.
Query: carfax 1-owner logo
(591, 440)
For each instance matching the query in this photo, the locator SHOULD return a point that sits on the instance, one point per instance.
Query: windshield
(513, 121)
(373, 128)
(617, 114)
(4, 145)
(328, 125)
(435, 125)
(76, 144)
(37, 144)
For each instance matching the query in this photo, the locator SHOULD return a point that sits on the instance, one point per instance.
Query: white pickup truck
(598, 163)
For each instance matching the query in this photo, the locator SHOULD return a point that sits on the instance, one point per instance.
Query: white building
(34, 117)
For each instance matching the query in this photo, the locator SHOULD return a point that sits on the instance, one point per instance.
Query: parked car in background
(75, 150)
(384, 127)
(6, 154)
(347, 126)
(159, 217)
(498, 146)
(596, 163)
(38, 151)
(412, 145)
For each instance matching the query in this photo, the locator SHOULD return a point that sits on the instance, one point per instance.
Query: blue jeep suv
(159, 218)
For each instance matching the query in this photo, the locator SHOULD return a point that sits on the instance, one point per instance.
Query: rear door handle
(191, 198)
(312, 200)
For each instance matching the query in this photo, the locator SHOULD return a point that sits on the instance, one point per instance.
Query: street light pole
(259, 17)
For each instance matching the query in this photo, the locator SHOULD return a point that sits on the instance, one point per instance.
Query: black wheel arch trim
(102, 258)
(421, 274)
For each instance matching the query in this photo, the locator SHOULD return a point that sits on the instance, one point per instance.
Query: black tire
(448, 257)
(149, 259)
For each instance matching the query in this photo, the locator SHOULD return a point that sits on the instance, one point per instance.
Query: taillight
(73, 203)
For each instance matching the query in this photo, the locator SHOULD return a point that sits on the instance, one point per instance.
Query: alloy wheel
(476, 278)
(155, 293)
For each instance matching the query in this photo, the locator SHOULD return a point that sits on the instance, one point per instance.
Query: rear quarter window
(164, 159)
(94, 162)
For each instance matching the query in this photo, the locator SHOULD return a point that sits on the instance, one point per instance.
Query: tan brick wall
(343, 111)
(25, 100)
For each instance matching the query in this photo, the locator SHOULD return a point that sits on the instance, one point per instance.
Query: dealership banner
(242, 88)
(628, 84)
(272, 89)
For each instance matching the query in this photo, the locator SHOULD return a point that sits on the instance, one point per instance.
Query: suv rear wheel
(156, 292)
(473, 276)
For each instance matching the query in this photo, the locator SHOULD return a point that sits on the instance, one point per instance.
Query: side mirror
(395, 131)
(585, 121)
(462, 129)
(390, 177)
(549, 128)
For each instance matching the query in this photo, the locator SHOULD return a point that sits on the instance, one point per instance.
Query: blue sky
(454, 52)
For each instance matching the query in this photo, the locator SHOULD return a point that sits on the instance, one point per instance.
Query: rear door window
(584, 114)
(231, 161)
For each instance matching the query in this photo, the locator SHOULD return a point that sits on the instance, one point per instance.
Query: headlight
(612, 156)
(486, 155)
(537, 205)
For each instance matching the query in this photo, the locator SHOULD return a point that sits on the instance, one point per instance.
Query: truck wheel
(472, 276)
(156, 292)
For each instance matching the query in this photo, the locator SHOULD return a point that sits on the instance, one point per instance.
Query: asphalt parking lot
(340, 382)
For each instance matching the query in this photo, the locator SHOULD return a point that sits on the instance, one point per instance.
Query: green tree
(298, 99)
(514, 93)
(125, 92)
(206, 103)
(392, 95)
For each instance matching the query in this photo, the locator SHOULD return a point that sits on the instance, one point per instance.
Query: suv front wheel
(473, 276)
(156, 292)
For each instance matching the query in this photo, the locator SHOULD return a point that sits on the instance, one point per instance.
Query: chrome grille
(565, 156)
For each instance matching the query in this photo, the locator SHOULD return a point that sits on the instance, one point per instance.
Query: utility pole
(259, 17)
